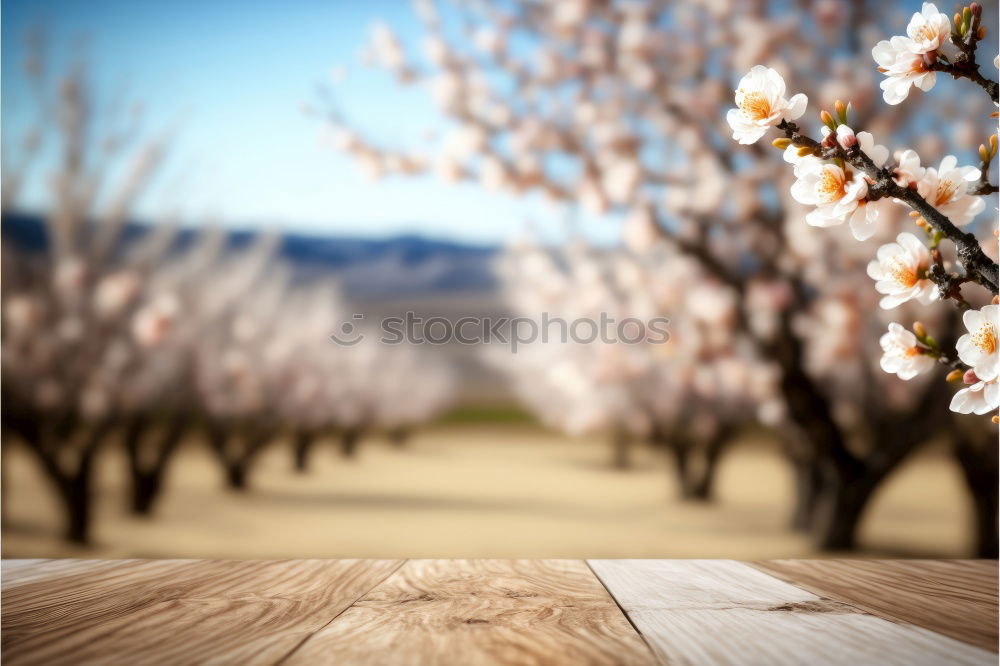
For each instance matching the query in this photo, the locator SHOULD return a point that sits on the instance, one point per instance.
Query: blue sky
(232, 76)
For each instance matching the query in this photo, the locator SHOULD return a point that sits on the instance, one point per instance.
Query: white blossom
(978, 347)
(761, 104)
(928, 30)
(947, 189)
(839, 194)
(114, 292)
(901, 355)
(900, 272)
(908, 170)
(903, 68)
(980, 398)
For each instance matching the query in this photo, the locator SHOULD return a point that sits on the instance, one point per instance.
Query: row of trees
(620, 110)
(110, 336)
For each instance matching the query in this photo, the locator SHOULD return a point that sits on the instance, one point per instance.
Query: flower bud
(983, 155)
(966, 16)
(805, 150)
(846, 137)
(993, 145)
(827, 119)
(976, 9)
(981, 33)
(841, 110)
(970, 377)
(995, 419)
(957, 18)
(919, 329)
(953, 376)
(781, 143)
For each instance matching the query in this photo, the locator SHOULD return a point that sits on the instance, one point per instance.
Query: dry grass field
(464, 490)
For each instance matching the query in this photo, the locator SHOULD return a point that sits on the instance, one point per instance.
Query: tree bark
(74, 485)
(978, 461)
(77, 502)
(145, 490)
(304, 440)
(399, 437)
(808, 485)
(621, 447)
(236, 476)
(237, 446)
(147, 476)
(696, 461)
(700, 486)
(840, 507)
(349, 442)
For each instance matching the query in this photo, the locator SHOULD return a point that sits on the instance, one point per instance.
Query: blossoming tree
(845, 176)
(617, 108)
(70, 350)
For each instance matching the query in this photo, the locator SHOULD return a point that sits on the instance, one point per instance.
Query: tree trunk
(979, 466)
(399, 437)
(701, 486)
(680, 451)
(147, 476)
(621, 451)
(841, 506)
(145, 490)
(985, 501)
(303, 446)
(700, 489)
(236, 476)
(349, 442)
(76, 496)
(73, 487)
(808, 484)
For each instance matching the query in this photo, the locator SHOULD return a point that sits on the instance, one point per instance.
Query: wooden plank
(20, 572)
(957, 598)
(474, 612)
(726, 612)
(177, 611)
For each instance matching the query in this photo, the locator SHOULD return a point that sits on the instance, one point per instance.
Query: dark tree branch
(983, 186)
(979, 267)
(965, 67)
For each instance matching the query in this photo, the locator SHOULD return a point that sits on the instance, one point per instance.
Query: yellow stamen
(753, 104)
(925, 32)
(831, 184)
(901, 273)
(986, 338)
(945, 192)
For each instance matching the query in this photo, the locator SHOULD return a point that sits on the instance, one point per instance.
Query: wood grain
(726, 612)
(175, 611)
(472, 612)
(20, 572)
(957, 598)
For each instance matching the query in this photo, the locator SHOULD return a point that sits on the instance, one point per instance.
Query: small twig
(965, 66)
(983, 186)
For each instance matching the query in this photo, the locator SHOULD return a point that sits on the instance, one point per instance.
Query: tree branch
(965, 67)
(977, 264)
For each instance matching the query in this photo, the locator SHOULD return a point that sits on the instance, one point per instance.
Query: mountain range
(396, 267)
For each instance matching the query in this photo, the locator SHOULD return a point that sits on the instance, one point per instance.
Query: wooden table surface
(469, 612)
